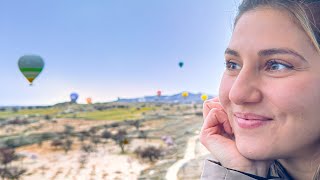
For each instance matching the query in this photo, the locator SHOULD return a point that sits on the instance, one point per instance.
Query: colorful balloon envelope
(181, 64)
(74, 97)
(204, 97)
(185, 94)
(31, 66)
(89, 100)
(159, 93)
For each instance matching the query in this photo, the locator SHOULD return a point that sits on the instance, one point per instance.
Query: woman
(265, 123)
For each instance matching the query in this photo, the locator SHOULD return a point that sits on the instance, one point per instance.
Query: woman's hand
(217, 136)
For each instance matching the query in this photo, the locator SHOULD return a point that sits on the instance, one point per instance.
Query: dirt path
(189, 154)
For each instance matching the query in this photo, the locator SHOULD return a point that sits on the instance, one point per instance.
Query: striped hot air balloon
(30, 66)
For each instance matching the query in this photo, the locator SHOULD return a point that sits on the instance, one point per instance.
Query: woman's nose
(246, 88)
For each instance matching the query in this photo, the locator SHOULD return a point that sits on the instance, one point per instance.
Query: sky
(105, 49)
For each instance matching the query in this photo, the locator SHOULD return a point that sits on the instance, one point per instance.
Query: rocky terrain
(60, 143)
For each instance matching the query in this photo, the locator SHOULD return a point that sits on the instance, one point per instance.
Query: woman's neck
(304, 166)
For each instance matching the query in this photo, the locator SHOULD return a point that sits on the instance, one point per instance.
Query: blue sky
(106, 49)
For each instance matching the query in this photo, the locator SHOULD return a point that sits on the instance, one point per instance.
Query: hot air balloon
(89, 100)
(181, 64)
(204, 97)
(30, 66)
(185, 94)
(159, 93)
(74, 97)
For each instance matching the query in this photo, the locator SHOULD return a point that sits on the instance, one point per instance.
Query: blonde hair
(306, 13)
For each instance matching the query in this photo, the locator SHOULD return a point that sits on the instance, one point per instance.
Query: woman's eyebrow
(269, 52)
(274, 51)
(231, 52)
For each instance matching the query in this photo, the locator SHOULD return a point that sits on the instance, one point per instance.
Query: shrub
(142, 135)
(106, 134)
(87, 148)
(67, 145)
(151, 153)
(7, 155)
(56, 143)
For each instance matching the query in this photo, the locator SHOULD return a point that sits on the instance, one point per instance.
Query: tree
(143, 135)
(68, 130)
(67, 145)
(136, 124)
(121, 139)
(7, 156)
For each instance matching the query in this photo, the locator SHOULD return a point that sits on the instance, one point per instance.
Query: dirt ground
(107, 162)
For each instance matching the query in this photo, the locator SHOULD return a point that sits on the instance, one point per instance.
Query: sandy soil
(106, 163)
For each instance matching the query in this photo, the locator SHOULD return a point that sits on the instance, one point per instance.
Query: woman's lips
(250, 120)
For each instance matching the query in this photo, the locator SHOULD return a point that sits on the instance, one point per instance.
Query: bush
(199, 114)
(136, 124)
(18, 122)
(12, 143)
(47, 117)
(114, 125)
(142, 135)
(13, 172)
(87, 148)
(151, 153)
(7, 155)
(106, 134)
(56, 143)
(68, 130)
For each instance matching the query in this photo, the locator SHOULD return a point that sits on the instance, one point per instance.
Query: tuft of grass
(21, 112)
(132, 112)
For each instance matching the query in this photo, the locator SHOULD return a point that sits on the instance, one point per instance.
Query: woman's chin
(254, 151)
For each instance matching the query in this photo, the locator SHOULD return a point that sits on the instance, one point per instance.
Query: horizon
(122, 98)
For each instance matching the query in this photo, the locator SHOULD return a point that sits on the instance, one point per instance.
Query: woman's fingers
(215, 134)
(224, 120)
(215, 118)
(210, 104)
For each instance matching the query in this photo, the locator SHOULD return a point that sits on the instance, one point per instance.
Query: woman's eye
(232, 65)
(274, 65)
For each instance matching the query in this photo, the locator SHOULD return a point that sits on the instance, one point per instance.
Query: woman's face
(272, 70)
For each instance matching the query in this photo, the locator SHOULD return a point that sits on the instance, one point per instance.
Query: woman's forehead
(265, 28)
